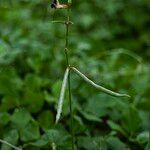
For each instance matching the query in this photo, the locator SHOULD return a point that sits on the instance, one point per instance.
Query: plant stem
(5, 142)
(69, 83)
(149, 128)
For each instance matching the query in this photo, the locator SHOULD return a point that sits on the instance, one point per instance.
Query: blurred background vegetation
(109, 42)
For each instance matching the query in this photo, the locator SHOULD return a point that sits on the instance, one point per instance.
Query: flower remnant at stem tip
(107, 91)
(56, 4)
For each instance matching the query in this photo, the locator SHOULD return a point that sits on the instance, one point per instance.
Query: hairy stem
(69, 83)
(149, 129)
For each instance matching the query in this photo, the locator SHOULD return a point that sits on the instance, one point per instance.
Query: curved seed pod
(127, 52)
(62, 94)
(107, 91)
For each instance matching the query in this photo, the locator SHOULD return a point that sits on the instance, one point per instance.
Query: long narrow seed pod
(12, 146)
(62, 94)
(107, 91)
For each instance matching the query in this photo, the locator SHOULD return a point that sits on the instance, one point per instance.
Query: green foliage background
(109, 42)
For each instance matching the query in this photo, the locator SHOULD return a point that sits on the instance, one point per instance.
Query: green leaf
(115, 144)
(98, 105)
(46, 119)
(33, 96)
(4, 118)
(33, 100)
(50, 136)
(57, 136)
(20, 118)
(86, 143)
(30, 132)
(116, 127)
(143, 137)
(43, 141)
(10, 83)
(131, 120)
(33, 82)
(11, 137)
(90, 117)
(7, 55)
(78, 125)
(53, 135)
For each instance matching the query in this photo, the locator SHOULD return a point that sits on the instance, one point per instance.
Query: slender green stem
(149, 127)
(69, 83)
(71, 112)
